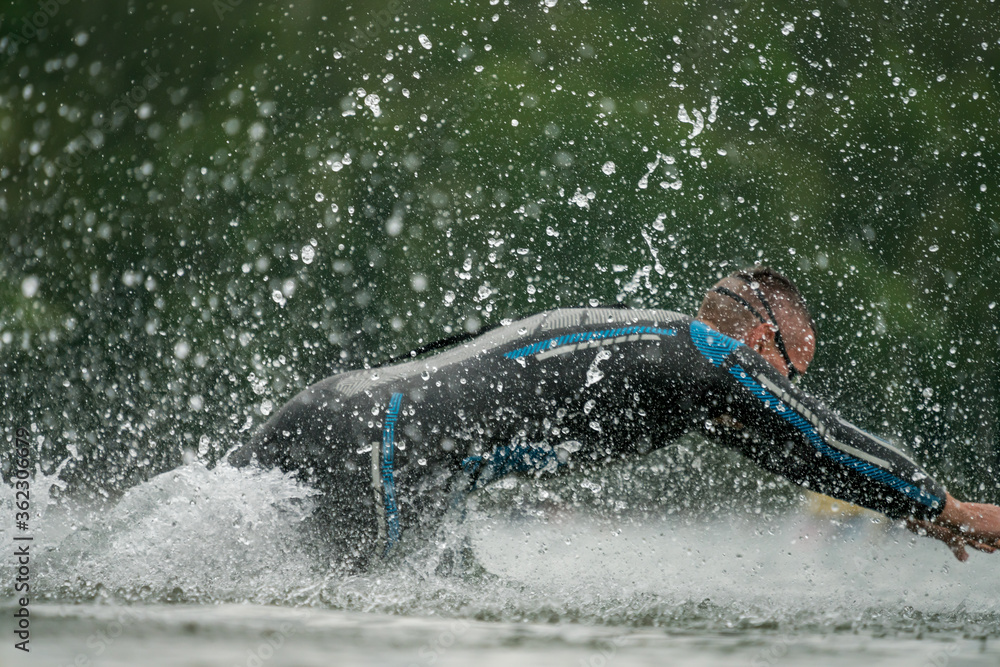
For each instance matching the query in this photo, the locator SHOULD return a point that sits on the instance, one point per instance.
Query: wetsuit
(562, 390)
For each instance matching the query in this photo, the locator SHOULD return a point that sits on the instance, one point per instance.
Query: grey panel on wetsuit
(359, 381)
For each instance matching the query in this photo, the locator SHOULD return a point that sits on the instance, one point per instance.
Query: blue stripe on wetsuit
(716, 347)
(388, 483)
(507, 459)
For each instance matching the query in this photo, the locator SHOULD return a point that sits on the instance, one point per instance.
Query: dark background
(163, 165)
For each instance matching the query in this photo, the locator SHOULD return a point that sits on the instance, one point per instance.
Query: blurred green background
(207, 206)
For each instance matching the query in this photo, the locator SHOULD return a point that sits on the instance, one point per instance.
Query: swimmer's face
(798, 337)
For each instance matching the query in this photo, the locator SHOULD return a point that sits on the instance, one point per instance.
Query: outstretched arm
(976, 525)
(790, 433)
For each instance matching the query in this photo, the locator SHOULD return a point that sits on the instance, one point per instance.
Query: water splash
(595, 374)
(654, 252)
(696, 119)
(697, 122)
(524, 552)
(191, 533)
(651, 168)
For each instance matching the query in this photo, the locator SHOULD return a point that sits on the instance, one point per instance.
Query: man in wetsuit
(577, 388)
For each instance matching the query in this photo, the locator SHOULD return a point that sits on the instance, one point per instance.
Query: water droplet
(308, 254)
(595, 374)
(696, 119)
(793, 77)
(425, 41)
(319, 196)
(266, 407)
(583, 200)
(29, 286)
(788, 28)
(934, 248)
(608, 168)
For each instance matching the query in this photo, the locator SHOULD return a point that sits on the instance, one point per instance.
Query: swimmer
(392, 447)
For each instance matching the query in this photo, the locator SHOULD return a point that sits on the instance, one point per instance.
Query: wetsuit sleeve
(788, 432)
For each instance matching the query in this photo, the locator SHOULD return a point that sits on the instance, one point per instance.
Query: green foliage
(162, 167)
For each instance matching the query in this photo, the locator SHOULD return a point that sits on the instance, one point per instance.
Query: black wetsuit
(563, 389)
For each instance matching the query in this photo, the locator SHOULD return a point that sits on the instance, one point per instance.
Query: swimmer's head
(763, 309)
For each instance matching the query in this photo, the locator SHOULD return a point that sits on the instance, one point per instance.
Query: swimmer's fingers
(981, 546)
(955, 541)
(955, 537)
(985, 545)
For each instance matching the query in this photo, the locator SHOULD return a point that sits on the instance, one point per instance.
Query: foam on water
(191, 533)
(197, 534)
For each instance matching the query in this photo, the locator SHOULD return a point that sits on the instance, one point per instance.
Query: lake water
(203, 567)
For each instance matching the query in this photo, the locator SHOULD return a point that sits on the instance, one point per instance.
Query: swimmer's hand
(961, 525)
